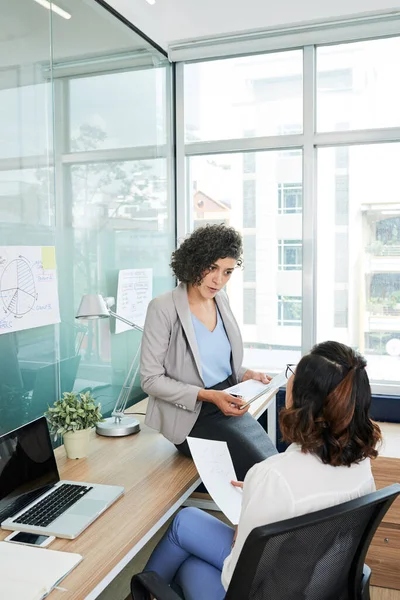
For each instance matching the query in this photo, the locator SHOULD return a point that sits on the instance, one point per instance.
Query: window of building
(341, 199)
(249, 306)
(249, 203)
(249, 162)
(289, 311)
(289, 255)
(341, 249)
(290, 198)
(341, 308)
(249, 254)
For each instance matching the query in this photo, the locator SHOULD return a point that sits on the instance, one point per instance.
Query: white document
(251, 389)
(28, 287)
(135, 290)
(28, 573)
(215, 467)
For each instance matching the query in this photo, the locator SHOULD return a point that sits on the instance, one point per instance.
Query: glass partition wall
(299, 150)
(85, 166)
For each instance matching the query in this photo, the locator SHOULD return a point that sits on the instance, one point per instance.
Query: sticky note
(49, 257)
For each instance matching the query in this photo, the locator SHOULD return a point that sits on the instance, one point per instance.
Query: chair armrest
(148, 581)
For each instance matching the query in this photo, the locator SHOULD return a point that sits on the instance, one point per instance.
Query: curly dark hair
(202, 249)
(330, 412)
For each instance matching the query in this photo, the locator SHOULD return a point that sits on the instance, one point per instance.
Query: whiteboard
(28, 288)
(135, 289)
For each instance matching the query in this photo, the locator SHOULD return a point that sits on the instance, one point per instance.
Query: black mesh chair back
(319, 556)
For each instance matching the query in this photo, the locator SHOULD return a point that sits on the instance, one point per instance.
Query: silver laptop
(32, 497)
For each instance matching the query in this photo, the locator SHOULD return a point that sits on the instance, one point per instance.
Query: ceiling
(27, 27)
(168, 21)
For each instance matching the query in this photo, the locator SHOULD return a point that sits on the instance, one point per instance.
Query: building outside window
(249, 162)
(290, 198)
(250, 306)
(289, 255)
(249, 203)
(289, 311)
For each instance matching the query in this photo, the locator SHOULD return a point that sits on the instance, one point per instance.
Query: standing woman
(192, 350)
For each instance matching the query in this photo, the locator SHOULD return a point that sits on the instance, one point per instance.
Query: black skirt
(247, 441)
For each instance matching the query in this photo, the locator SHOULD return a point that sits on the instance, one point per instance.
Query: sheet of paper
(135, 289)
(28, 287)
(251, 388)
(215, 467)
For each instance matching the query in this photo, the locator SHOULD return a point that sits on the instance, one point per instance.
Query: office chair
(318, 556)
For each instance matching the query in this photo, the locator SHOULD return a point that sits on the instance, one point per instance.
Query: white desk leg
(271, 420)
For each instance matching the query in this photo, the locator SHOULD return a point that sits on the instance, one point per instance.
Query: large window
(322, 256)
(231, 98)
(358, 267)
(219, 191)
(358, 85)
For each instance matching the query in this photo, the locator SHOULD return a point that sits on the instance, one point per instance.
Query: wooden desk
(157, 480)
(384, 552)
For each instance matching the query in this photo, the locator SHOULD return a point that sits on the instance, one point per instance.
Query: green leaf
(73, 412)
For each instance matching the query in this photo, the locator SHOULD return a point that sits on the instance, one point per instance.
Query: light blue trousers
(191, 554)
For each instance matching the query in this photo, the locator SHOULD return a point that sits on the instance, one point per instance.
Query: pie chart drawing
(17, 287)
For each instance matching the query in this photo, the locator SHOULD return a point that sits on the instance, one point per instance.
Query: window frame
(308, 141)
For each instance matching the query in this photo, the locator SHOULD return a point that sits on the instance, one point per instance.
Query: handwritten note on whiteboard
(135, 288)
(215, 467)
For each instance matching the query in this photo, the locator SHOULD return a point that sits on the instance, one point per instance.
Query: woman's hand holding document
(251, 390)
(215, 467)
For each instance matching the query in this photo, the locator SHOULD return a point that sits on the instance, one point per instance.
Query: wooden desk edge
(116, 570)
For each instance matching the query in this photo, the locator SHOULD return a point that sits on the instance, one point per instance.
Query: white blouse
(292, 484)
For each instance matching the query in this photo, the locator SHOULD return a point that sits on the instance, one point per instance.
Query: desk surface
(157, 480)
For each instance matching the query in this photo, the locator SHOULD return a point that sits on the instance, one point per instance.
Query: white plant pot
(76, 443)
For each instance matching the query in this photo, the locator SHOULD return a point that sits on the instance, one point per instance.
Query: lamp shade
(92, 306)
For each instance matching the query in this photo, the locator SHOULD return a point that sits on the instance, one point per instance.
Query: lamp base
(115, 428)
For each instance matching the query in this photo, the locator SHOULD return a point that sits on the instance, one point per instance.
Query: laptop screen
(27, 466)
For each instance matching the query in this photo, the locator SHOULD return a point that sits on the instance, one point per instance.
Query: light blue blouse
(215, 351)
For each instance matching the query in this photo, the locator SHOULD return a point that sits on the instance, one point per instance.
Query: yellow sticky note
(49, 257)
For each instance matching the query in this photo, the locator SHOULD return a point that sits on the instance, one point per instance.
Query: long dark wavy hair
(207, 244)
(331, 401)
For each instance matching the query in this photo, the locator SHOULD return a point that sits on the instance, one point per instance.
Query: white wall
(173, 20)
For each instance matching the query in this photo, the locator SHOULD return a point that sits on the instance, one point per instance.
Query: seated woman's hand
(238, 484)
(249, 374)
(228, 404)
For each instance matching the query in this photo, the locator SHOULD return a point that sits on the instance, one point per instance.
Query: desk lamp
(94, 306)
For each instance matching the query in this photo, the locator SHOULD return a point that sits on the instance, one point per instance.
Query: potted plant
(73, 417)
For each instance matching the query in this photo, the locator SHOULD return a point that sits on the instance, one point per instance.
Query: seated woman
(332, 437)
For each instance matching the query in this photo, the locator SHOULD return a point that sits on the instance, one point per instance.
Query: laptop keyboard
(52, 506)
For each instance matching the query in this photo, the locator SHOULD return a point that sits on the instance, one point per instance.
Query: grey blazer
(170, 369)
